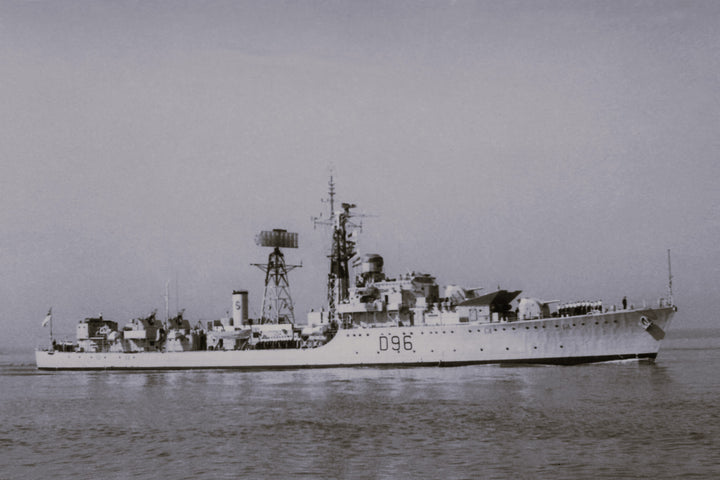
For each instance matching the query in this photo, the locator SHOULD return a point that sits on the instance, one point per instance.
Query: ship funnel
(372, 263)
(371, 268)
(240, 307)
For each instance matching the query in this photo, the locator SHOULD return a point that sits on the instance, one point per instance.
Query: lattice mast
(341, 250)
(277, 306)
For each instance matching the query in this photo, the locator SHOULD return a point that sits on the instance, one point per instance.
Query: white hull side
(568, 340)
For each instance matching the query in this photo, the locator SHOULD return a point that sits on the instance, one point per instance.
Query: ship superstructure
(373, 319)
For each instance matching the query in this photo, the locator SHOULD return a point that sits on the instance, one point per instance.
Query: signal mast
(670, 277)
(277, 306)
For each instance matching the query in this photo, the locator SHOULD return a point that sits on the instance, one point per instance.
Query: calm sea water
(617, 420)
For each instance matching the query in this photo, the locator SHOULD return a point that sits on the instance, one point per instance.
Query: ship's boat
(374, 319)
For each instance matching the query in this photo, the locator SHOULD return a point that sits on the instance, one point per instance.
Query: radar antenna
(277, 306)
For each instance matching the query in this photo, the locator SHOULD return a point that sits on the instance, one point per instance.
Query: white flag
(47, 318)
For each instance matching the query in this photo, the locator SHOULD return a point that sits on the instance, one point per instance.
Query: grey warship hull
(621, 335)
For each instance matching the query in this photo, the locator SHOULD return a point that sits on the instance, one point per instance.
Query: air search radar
(277, 238)
(277, 303)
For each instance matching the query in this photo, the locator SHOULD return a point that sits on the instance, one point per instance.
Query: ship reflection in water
(603, 420)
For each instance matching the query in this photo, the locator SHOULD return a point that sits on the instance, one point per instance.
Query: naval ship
(372, 319)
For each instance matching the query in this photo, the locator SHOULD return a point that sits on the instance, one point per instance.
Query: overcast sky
(556, 147)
